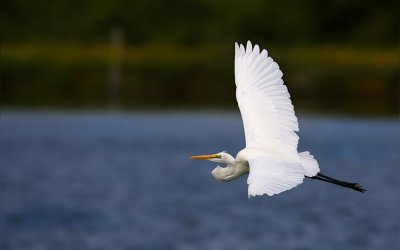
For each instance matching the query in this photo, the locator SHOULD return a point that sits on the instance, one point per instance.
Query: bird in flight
(271, 157)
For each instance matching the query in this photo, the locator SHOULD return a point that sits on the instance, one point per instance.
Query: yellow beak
(204, 157)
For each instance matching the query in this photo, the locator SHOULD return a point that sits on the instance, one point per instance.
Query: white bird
(270, 158)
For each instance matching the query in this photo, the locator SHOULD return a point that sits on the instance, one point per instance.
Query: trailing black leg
(328, 179)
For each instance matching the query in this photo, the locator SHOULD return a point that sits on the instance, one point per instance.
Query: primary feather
(270, 123)
(264, 101)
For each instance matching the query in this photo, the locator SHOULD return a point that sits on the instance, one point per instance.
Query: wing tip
(237, 49)
(247, 47)
(256, 49)
(254, 194)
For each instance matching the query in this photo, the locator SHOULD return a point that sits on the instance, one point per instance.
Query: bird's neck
(222, 173)
(232, 171)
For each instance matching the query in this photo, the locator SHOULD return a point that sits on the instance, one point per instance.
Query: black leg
(328, 179)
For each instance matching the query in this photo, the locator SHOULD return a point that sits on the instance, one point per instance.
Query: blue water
(124, 181)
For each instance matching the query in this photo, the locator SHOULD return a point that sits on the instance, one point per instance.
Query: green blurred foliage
(337, 56)
(355, 22)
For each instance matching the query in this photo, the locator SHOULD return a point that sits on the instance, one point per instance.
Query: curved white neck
(232, 171)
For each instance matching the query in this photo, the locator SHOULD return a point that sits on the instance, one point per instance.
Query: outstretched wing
(268, 118)
(272, 176)
(264, 101)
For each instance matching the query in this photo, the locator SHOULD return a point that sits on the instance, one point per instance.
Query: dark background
(337, 56)
(103, 103)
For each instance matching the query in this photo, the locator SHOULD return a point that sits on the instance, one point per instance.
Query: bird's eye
(219, 156)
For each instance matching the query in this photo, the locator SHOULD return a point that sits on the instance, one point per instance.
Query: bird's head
(221, 157)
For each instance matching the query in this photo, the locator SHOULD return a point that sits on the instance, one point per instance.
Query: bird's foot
(357, 187)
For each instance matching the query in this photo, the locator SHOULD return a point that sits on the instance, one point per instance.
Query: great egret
(270, 157)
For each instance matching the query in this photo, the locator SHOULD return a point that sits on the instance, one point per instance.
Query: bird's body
(270, 157)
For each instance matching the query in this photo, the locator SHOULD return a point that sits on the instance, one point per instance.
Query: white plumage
(270, 124)
(264, 102)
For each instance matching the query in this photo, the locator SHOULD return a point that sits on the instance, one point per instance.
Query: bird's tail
(310, 165)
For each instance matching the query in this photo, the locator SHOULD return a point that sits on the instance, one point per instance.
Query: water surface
(124, 181)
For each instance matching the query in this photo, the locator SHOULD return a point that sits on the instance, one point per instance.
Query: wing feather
(269, 122)
(264, 100)
(269, 176)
